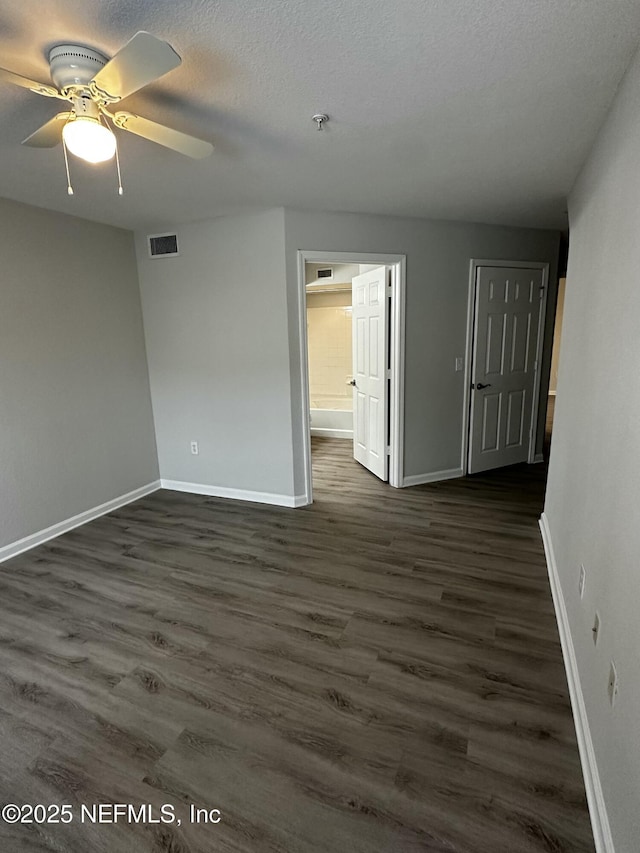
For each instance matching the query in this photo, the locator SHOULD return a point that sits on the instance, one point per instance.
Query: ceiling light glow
(87, 138)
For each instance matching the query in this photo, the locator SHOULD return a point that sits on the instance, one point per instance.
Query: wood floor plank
(379, 672)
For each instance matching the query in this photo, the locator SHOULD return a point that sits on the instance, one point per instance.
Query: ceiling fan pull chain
(66, 163)
(120, 190)
(107, 121)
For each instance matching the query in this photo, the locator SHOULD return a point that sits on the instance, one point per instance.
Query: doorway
(375, 375)
(506, 318)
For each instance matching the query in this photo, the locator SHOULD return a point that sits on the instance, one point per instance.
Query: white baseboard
(332, 433)
(595, 798)
(433, 477)
(300, 500)
(35, 539)
(539, 457)
(234, 494)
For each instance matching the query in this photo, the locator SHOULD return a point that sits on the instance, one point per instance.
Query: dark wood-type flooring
(378, 672)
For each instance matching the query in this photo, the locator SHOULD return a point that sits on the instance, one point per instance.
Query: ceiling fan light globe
(88, 139)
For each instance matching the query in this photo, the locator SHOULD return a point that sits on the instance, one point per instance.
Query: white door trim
(466, 403)
(398, 264)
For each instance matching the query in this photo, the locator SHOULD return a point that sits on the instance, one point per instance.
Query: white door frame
(471, 308)
(398, 264)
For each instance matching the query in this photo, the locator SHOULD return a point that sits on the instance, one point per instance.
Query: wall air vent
(163, 245)
(326, 274)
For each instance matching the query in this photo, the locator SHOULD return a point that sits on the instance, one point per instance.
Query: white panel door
(370, 392)
(507, 317)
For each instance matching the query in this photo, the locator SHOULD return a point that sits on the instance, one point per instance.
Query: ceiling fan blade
(180, 142)
(142, 60)
(50, 134)
(27, 83)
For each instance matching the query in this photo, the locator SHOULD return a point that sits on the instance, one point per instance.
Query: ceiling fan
(93, 84)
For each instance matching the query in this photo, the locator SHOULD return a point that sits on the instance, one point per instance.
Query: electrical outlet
(596, 628)
(581, 581)
(194, 448)
(612, 687)
(459, 362)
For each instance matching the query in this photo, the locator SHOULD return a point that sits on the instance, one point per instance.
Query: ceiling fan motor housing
(74, 65)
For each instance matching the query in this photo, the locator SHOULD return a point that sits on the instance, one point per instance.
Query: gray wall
(216, 330)
(76, 426)
(593, 496)
(221, 326)
(438, 256)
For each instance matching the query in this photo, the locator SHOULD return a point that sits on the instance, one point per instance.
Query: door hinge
(389, 290)
(388, 373)
(388, 450)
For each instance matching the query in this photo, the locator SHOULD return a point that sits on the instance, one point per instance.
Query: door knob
(352, 382)
(480, 385)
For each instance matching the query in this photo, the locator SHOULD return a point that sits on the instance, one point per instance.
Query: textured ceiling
(481, 110)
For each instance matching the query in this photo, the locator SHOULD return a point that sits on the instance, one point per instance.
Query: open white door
(370, 380)
(505, 340)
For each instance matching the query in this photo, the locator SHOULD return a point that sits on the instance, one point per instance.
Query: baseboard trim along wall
(35, 539)
(595, 798)
(234, 494)
(332, 433)
(539, 457)
(433, 477)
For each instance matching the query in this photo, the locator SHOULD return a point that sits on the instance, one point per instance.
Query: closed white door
(507, 318)
(370, 349)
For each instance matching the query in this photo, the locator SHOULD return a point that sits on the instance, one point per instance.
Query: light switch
(459, 364)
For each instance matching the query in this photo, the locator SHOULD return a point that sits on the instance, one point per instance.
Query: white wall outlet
(459, 364)
(194, 448)
(612, 687)
(581, 581)
(595, 631)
